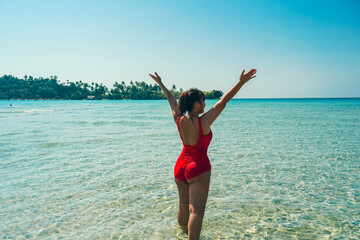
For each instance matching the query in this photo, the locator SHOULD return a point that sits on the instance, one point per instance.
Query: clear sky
(300, 48)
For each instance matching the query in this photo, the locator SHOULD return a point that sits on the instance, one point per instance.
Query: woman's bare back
(189, 130)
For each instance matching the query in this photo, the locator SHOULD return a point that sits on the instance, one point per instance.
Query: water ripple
(281, 169)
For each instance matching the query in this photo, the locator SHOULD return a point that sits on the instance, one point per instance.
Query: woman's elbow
(222, 104)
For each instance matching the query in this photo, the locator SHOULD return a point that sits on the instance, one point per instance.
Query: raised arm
(209, 117)
(171, 99)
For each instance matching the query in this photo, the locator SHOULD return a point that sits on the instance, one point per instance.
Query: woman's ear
(198, 104)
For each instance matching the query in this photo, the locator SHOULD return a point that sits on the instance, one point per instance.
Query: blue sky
(300, 48)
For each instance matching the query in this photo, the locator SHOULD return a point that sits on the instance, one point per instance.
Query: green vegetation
(51, 88)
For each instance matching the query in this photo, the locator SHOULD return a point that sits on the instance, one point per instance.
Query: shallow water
(281, 169)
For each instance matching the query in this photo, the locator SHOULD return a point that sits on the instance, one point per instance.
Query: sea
(281, 169)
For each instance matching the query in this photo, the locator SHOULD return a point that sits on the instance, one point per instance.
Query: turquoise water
(281, 169)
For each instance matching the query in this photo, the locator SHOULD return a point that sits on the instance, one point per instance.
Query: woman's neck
(193, 115)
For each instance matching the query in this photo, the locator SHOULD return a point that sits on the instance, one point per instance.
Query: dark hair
(187, 99)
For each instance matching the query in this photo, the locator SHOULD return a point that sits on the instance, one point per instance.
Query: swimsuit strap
(177, 122)
(178, 126)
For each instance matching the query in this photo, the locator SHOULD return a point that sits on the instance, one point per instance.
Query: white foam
(36, 110)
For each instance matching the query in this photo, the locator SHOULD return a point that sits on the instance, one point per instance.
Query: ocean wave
(32, 111)
(37, 110)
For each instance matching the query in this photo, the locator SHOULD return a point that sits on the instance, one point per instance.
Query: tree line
(51, 88)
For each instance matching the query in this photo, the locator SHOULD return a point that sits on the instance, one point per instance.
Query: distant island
(52, 89)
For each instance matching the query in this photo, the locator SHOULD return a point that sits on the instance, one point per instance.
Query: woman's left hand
(157, 78)
(246, 77)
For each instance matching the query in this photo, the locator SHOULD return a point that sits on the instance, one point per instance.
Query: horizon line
(298, 98)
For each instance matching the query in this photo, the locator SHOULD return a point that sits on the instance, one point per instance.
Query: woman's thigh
(183, 189)
(198, 191)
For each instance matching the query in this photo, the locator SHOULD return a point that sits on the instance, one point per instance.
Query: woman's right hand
(246, 77)
(156, 77)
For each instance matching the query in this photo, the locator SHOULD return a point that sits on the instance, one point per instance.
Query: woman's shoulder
(180, 118)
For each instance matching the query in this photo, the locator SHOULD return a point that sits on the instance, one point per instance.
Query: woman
(192, 169)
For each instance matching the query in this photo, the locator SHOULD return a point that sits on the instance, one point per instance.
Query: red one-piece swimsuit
(193, 159)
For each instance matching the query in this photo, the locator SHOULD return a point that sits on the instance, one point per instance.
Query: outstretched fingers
(156, 77)
(252, 73)
(247, 76)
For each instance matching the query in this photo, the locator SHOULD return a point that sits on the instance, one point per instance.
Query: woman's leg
(183, 213)
(198, 193)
